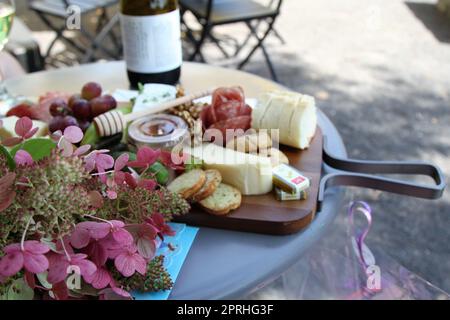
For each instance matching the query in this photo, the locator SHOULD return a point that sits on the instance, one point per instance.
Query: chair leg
(279, 36)
(249, 36)
(107, 29)
(260, 45)
(59, 35)
(199, 43)
(269, 63)
(219, 46)
(95, 45)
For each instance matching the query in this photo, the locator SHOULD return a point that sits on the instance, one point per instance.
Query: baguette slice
(188, 183)
(222, 201)
(213, 180)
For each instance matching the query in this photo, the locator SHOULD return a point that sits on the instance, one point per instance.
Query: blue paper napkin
(174, 259)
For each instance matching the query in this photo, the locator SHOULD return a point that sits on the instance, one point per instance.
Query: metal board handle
(360, 173)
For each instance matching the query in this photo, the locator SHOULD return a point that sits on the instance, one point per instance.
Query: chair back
(275, 4)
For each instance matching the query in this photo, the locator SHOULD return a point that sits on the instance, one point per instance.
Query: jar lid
(159, 131)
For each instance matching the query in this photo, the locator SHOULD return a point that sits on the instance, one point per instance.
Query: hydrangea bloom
(31, 257)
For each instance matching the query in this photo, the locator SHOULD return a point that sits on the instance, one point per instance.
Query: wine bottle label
(152, 44)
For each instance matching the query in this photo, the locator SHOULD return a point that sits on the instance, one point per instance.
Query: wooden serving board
(265, 214)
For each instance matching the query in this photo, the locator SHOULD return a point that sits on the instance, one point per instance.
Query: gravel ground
(380, 69)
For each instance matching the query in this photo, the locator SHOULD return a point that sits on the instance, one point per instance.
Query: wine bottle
(151, 38)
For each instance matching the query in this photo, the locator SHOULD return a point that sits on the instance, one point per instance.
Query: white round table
(221, 264)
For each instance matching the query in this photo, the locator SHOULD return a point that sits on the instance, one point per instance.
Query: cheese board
(263, 213)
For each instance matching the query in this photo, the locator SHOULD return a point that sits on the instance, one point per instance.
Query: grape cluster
(81, 109)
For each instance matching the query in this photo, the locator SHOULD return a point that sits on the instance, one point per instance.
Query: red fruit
(61, 123)
(73, 98)
(84, 125)
(23, 110)
(57, 123)
(59, 108)
(81, 109)
(91, 91)
(70, 121)
(102, 104)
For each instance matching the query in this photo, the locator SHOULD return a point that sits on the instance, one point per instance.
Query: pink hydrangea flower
(129, 261)
(100, 279)
(72, 135)
(145, 157)
(145, 235)
(157, 220)
(23, 158)
(112, 233)
(7, 195)
(60, 266)
(173, 161)
(100, 160)
(31, 257)
(24, 130)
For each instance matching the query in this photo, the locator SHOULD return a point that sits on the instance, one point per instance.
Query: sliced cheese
(293, 114)
(249, 173)
(7, 130)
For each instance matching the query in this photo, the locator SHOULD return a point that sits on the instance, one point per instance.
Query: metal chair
(212, 13)
(47, 10)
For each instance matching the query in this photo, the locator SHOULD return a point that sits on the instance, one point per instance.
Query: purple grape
(57, 123)
(59, 108)
(102, 104)
(73, 98)
(70, 121)
(81, 109)
(84, 125)
(91, 91)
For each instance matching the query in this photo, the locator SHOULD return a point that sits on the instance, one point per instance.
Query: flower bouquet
(77, 223)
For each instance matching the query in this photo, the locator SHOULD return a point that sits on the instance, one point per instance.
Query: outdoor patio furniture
(212, 13)
(48, 10)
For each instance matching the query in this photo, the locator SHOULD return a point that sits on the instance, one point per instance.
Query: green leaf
(90, 136)
(38, 148)
(9, 159)
(19, 290)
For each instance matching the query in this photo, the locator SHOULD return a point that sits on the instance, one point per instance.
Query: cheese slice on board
(249, 173)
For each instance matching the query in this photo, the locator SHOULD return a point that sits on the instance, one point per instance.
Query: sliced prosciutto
(228, 110)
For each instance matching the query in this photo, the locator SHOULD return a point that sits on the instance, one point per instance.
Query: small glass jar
(160, 131)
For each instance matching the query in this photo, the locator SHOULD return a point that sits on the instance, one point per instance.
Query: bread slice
(188, 183)
(222, 201)
(213, 180)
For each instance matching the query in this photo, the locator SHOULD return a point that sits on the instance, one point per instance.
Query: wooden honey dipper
(114, 122)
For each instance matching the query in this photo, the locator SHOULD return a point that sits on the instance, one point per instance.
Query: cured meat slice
(227, 103)
(241, 122)
(227, 111)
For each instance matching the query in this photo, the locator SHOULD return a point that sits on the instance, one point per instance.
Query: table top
(221, 264)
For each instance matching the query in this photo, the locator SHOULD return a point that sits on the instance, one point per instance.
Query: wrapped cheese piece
(294, 114)
(249, 173)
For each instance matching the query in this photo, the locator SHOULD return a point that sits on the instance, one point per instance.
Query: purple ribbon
(360, 236)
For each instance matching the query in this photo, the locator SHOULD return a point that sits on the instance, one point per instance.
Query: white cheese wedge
(7, 130)
(249, 173)
(293, 114)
